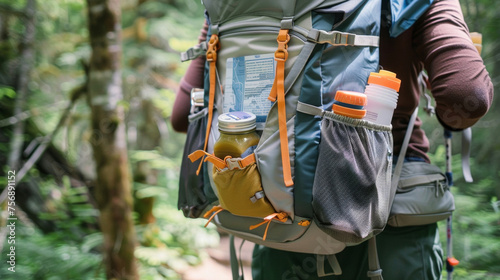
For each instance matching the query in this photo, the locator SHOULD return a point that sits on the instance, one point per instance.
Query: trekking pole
(450, 260)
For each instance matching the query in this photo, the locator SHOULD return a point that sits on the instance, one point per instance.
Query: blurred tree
(151, 66)
(21, 86)
(143, 118)
(23, 77)
(113, 191)
(22, 141)
(28, 145)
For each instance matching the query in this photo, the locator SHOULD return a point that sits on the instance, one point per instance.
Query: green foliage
(464, 274)
(172, 243)
(477, 233)
(7, 92)
(155, 159)
(476, 222)
(51, 256)
(70, 252)
(164, 100)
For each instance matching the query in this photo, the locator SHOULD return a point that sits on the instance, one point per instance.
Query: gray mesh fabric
(352, 184)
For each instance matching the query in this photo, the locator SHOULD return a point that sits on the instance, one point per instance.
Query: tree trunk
(113, 191)
(23, 77)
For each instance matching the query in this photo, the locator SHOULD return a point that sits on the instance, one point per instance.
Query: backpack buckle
(212, 48)
(335, 38)
(341, 38)
(281, 54)
(233, 163)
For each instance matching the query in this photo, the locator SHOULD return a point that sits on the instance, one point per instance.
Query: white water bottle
(382, 94)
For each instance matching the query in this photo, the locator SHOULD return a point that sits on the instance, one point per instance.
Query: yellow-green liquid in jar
(234, 145)
(237, 134)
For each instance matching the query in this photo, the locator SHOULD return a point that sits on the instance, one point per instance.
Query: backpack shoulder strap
(332, 260)
(374, 270)
(399, 165)
(236, 263)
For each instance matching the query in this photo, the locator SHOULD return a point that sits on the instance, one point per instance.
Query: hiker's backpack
(326, 177)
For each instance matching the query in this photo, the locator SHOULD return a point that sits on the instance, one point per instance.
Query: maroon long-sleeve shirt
(438, 42)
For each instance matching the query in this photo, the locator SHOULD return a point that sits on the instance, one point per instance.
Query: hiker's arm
(460, 83)
(192, 79)
(182, 104)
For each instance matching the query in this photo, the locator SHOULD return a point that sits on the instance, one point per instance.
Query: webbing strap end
(194, 52)
(337, 38)
(375, 274)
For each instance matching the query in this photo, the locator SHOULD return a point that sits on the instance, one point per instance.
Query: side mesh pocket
(352, 184)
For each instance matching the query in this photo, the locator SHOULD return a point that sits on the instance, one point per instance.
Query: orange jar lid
(348, 112)
(357, 99)
(386, 79)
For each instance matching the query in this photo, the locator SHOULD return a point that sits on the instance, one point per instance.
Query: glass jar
(238, 137)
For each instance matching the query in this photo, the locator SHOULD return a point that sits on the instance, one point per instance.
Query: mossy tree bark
(113, 190)
(23, 77)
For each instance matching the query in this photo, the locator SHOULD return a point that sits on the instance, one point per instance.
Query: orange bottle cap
(386, 79)
(351, 97)
(348, 112)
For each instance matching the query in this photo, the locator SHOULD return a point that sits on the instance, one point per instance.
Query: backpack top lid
(224, 10)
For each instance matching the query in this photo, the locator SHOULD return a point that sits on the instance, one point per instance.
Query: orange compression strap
(228, 162)
(304, 223)
(219, 163)
(281, 216)
(281, 56)
(273, 93)
(213, 46)
(246, 161)
(212, 213)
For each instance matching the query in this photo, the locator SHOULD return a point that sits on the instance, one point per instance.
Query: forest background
(53, 117)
